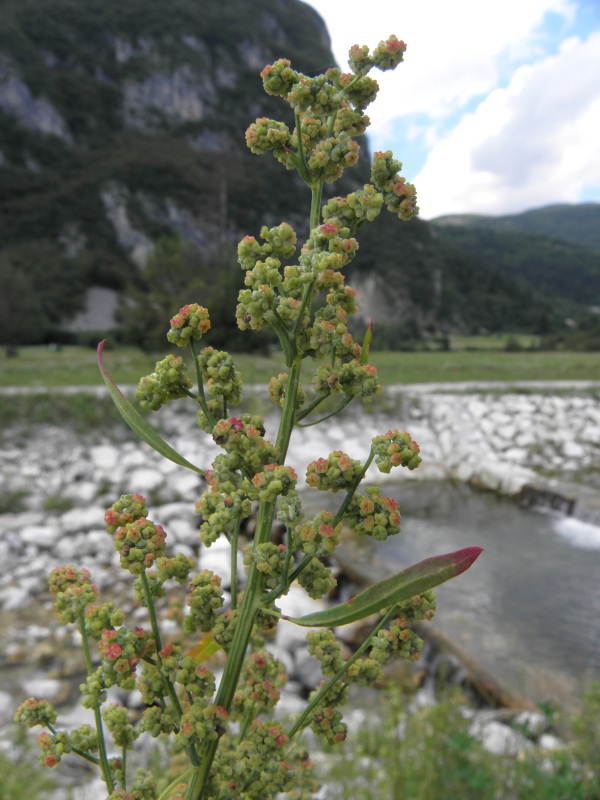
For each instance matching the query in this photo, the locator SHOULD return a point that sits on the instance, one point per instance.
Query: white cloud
(507, 125)
(456, 50)
(531, 144)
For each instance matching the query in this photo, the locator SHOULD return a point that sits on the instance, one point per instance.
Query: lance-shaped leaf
(137, 423)
(412, 581)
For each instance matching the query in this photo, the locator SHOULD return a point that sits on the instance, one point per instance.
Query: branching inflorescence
(225, 742)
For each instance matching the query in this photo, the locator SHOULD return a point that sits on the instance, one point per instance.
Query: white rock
(534, 722)
(499, 739)
(78, 520)
(104, 457)
(548, 741)
(7, 708)
(43, 688)
(145, 480)
(573, 449)
(42, 536)
(13, 599)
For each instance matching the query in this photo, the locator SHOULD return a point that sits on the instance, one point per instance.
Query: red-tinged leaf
(412, 581)
(205, 648)
(137, 423)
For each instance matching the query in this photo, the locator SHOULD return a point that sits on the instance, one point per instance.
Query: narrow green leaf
(137, 423)
(412, 581)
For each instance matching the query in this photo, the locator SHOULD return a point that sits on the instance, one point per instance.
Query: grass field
(76, 366)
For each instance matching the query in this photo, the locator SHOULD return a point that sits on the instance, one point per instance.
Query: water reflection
(529, 609)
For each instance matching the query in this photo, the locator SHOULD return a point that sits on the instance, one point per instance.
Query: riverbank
(56, 483)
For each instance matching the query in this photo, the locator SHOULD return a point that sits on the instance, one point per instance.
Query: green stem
(310, 408)
(237, 651)
(283, 334)
(102, 756)
(303, 718)
(286, 424)
(202, 397)
(124, 768)
(168, 685)
(340, 407)
(355, 484)
(234, 560)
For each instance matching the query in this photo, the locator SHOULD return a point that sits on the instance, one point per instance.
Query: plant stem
(202, 397)
(168, 685)
(234, 560)
(103, 758)
(302, 719)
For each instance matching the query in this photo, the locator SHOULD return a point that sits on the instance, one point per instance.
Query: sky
(496, 107)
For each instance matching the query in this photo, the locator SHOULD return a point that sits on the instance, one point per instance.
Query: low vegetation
(479, 359)
(430, 754)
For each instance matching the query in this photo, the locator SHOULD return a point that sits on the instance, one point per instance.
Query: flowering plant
(225, 741)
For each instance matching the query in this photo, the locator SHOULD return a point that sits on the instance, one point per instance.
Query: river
(528, 611)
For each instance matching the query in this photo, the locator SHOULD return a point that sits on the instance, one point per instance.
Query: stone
(104, 457)
(499, 739)
(78, 520)
(42, 536)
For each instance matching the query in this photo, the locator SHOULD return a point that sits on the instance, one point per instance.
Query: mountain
(122, 143)
(562, 272)
(574, 224)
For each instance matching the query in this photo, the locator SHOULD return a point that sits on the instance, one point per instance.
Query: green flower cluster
(396, 642)
(73, 592)
(395, 448)
(337, 471)
(259, 688)
(220, 375)
(269, 559)
(53, 747)
(317, 536)
(177, 568)
(277, 389)
(157, 721)
(129, 508)
(417, 608)
(399, 196)
(142, 788)
(185, 670)
(190, 322)
(354, 209)
(118, 722)
(221, 514)
(387, 55)
(205, 598)
(150, 684)
(326, 720)
(374, 515)
(139, 543)
(243, 439)
(99, 618)
(255, 768)
(34, 712)
(279, 243)
(273, 481)
(224, 628)
(317, 579)
(167, 382)
(353, 379)
(323, 645)
(121, 651)
(201, 722)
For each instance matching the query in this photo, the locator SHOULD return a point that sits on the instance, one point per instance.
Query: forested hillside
(123, 165)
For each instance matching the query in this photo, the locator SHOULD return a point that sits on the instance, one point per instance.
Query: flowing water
(528, 610)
